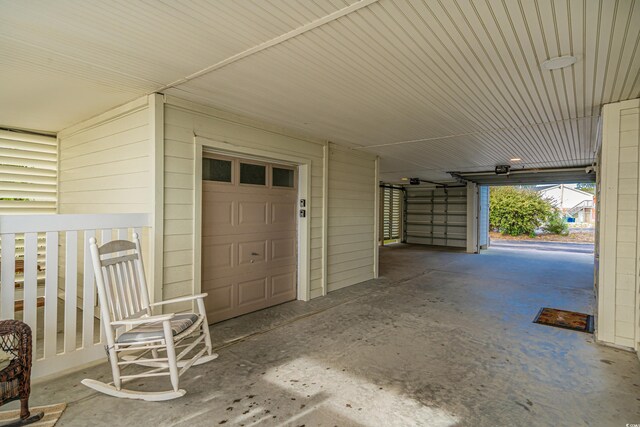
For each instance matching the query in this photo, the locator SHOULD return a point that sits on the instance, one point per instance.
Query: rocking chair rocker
(132, 331)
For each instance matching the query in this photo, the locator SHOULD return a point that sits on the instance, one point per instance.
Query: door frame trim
(202, 144)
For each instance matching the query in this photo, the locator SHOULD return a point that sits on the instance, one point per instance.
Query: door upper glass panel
(253, 174)
(282, 177)
(216, 170)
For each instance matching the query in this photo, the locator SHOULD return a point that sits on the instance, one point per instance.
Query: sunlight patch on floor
(353, 397)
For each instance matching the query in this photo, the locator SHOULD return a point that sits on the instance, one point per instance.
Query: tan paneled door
(249, 239)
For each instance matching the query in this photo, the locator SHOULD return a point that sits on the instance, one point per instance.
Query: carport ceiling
(430, 86)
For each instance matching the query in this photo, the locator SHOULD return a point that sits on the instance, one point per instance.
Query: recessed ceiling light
(404, 179)
(515, 159)
(559, 62)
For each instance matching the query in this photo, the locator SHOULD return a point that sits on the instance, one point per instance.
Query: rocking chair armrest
(179, 299)
(143, 320)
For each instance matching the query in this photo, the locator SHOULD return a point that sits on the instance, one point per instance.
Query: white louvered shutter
(391, 213)
(28, 173)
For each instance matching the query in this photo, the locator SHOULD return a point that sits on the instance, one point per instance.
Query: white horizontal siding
(105, 167)
(351, 222)
(181, 122)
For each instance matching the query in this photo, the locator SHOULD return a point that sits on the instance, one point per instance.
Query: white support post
(325, 218)
(156, 238)
(472, 218)
(376, 216)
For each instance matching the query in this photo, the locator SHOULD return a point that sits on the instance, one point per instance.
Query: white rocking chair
(132, 331)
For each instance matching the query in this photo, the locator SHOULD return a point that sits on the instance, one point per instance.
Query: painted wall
(186, 123)
(352, 214)
(618, 284)
(141, 157)
(106, 166)
(105, 163)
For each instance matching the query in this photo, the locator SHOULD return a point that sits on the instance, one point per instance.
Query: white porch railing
(46, 280)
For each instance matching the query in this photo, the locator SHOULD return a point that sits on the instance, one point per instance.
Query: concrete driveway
(527, 245)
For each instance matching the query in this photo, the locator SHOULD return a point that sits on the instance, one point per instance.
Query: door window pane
(216, 170)
(282, 177)
(253, 174)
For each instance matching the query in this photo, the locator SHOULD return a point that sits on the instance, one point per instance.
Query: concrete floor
(442, 338)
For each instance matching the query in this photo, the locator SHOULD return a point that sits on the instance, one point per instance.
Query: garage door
(249, 240)
(437, 216)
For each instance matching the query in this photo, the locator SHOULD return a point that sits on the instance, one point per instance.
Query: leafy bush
(556, 224)
(517, 211)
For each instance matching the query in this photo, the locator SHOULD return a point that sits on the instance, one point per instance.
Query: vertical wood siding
(351, 218)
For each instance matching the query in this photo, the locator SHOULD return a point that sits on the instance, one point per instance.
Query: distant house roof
(551, 187)
(544, 187)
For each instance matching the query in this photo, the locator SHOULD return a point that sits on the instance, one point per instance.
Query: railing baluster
(123, 233)
(51, 295)
(8, 267)
(30, 288)
(70, 290)
(88, 294)
(105, 237)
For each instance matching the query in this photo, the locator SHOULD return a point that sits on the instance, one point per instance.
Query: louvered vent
(28, 173)
(392, 213)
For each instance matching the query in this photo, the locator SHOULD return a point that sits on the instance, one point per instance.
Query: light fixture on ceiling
(559, 62)
(515, 159)
(404, 179)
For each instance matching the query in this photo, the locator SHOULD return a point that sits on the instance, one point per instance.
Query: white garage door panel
(436, 216)
(249, 245)
(235, 295)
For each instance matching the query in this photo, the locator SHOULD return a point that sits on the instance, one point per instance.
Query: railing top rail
(65, 222)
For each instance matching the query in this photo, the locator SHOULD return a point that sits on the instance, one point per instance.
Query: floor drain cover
(565, 319)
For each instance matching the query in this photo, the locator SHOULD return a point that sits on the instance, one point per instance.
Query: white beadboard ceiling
(429, 85)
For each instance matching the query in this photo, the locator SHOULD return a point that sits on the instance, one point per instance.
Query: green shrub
(556, 224)
(517, 211)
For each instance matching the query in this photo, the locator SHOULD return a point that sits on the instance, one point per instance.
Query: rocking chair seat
(154, 331)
